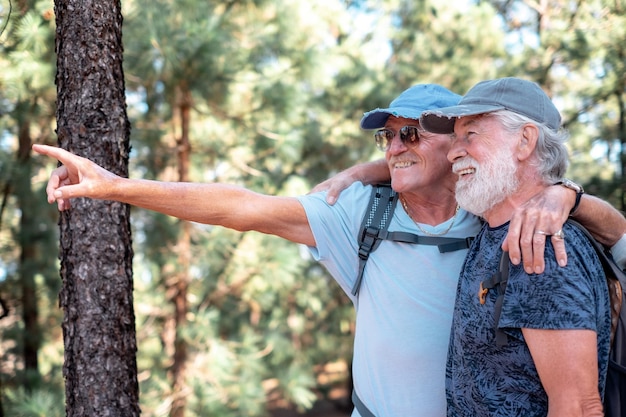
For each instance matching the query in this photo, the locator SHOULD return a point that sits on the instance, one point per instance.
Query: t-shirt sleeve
(561, 297)
(335, 229)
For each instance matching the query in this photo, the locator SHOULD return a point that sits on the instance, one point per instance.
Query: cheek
(440, 159)
(444, 167)
(444, 149)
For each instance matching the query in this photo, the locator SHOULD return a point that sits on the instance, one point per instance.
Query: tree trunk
(180, 282)
(27, 240)
(621, 126)
(100, 367)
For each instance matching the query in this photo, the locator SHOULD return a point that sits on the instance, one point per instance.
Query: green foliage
(27, 223)
(40, 403)
(28, 54)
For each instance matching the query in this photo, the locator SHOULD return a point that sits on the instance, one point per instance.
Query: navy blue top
(484, 379)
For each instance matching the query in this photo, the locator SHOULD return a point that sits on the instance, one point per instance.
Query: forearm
(375, 172)
(372, 172)
(217, 204)
(198, 202)
(221, 205)
(603, 221)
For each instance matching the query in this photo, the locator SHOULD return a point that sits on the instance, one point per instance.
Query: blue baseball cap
(514, 94)
(411, 104)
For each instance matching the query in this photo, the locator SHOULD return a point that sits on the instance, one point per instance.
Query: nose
(457, 150)
(397, 146)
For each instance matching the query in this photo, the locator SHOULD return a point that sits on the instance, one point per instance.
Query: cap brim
(377, 118)
(442, 120)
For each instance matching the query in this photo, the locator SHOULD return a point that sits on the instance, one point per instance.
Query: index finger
(57, 153)
(521, 241)
(559, 250)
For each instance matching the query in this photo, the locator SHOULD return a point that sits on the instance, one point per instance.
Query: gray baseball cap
(411, 104)
(513, 94)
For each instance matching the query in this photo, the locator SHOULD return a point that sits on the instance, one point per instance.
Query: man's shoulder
(581, 251)
(488, 240)
(348, 210)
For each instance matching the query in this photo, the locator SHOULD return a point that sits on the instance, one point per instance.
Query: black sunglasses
(409, 135)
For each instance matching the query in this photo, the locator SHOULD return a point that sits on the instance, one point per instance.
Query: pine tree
(96, 254)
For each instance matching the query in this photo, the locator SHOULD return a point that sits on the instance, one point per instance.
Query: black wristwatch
(572, 186)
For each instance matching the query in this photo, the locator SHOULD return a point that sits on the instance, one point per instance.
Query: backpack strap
(382, 204)
(374, 227)
(361, 408)
(444, 244)
(498, 281)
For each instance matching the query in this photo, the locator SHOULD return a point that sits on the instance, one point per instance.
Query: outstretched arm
(218, 204)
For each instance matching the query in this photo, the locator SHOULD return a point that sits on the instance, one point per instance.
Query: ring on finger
(559, 234)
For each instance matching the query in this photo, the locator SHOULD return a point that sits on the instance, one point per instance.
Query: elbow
(590, 406)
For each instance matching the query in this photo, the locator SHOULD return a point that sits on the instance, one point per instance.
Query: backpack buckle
(368, 239)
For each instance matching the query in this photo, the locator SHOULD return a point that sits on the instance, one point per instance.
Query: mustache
(466, 162)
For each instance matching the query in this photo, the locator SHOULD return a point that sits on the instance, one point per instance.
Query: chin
(400, 186)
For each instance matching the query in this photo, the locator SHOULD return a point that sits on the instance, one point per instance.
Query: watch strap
(567, 183)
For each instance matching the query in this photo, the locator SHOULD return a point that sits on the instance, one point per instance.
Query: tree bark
(100, 366)
(27, 240)
(180, 285)
(621, 126)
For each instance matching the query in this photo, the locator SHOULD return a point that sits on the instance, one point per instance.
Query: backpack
(615, 388)
(375, 223)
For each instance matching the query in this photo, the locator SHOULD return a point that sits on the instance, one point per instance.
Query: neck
(432, 210)
(503, 211)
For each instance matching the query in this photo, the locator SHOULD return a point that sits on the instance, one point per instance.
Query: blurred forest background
(266, 94)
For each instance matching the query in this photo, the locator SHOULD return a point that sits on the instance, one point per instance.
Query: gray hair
(551, 152)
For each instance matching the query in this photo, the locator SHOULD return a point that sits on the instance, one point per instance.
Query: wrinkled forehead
(467, 122)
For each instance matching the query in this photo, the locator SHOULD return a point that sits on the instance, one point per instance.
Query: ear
(527, 141)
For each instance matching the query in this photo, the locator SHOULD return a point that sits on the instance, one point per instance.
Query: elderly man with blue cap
(543, 348)
(405, 299)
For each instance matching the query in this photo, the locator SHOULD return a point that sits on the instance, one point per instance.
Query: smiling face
(484, 159)
(420, 166)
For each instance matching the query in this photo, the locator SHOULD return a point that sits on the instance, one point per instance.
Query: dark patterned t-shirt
(483, 379)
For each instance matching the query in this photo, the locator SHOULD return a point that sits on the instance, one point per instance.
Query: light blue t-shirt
(404, 306)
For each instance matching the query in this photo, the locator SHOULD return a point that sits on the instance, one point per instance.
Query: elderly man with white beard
(508, 145)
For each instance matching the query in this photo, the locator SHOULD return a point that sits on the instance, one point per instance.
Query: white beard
(492, 182)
